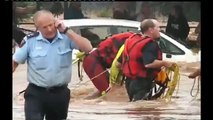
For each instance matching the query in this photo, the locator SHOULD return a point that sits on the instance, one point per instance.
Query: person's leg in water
(98, 73)
(140, 88)
(127, 85)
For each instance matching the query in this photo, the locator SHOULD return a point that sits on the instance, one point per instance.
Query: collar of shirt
(58, 36)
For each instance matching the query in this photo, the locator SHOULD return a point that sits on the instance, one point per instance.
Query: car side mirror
(168, 56)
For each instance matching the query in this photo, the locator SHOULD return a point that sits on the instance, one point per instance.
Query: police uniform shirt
(49, 64)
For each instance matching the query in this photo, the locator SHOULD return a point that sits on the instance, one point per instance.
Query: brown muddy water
(115, 105)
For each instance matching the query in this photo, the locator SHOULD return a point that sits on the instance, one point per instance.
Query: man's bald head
(151, 28)
(45, 23)
(148, 23)
(42, 14)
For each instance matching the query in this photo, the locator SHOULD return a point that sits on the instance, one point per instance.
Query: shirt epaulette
(34, 34)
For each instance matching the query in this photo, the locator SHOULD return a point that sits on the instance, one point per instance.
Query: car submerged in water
(97, 30)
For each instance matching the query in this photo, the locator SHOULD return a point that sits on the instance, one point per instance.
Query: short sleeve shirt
(49, 64)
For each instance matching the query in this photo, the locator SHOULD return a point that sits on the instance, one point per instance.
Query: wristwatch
(66, 29)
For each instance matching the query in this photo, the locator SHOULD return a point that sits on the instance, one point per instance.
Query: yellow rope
(99, 74)
(89, 80)
(174, 77)
(79, 58)
(103, 93)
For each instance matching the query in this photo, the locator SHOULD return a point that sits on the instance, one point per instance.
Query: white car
(97, 30)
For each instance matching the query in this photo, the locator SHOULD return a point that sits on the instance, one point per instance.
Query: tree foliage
(192, 10)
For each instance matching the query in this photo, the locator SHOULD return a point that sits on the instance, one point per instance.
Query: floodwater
(115, 105)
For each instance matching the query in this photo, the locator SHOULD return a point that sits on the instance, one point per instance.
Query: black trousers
(50, 103)
(138, 89)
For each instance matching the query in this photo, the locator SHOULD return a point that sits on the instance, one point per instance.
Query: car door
(171, 52)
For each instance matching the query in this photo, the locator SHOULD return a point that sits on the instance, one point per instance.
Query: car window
(127, 29)
(168, 47)
(96, 34)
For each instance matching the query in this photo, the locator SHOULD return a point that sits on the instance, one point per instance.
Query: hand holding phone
(60, 25)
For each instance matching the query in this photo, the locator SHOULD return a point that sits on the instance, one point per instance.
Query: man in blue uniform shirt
(49, 55)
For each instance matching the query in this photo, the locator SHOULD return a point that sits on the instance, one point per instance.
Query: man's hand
(168, 64)
(82, 42)
(60, 25)
(160, 63)
(194, 74)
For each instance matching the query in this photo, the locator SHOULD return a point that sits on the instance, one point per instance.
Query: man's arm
(20, 54)
(168, 26)
(159, 63)
(194, 74)
(119, 61)
(15, 65)
(150, 57)
(118, 64)
(83, 43)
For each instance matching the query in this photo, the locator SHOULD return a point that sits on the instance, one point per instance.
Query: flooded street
(115, 105)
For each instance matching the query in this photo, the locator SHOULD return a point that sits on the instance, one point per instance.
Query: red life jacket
(108, 48)
(132, 67)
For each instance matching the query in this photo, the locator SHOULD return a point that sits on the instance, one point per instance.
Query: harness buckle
(126, 58)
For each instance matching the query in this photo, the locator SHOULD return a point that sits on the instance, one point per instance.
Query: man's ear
(36, 27)
(150, 30)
